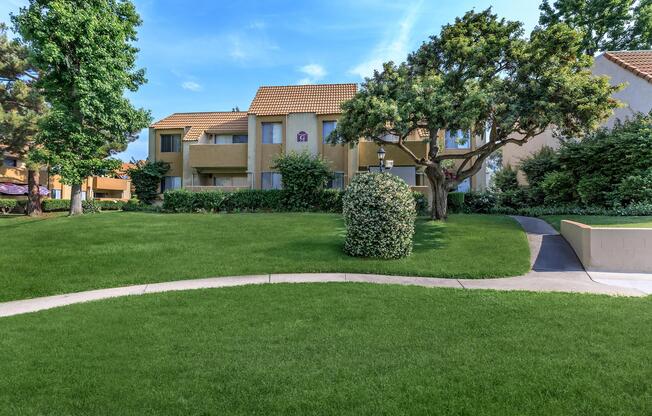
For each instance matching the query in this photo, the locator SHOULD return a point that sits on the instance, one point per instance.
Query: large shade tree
(480, 74)
(84, 52)
(606, 25)
(21, 108)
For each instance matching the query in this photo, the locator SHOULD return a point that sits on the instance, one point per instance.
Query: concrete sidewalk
(554, 269)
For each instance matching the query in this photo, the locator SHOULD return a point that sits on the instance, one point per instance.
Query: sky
(206, 55)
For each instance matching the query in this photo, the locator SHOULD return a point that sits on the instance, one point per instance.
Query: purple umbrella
(13, 189)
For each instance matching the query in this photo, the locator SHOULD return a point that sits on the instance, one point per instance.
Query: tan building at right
(632, 68)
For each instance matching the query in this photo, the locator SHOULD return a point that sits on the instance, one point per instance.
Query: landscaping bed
(345, 349)
(63, 254)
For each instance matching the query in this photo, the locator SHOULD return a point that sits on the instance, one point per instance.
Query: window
(407, 173)
(170, 182)
(55, 193)
(326, 129)
(458, 139)
(464, 186)
(170, 143)
(228, 139)
(10, 162)
(83, 195)
(240, 139)
(233, 181)
(272, 133)
(337, 182)
(271, 180)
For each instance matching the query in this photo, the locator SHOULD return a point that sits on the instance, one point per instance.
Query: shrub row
(248, 200)
(54, 205)
(7, 205)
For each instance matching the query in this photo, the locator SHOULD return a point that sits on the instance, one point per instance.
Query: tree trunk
(439, 189)
(75, 200)
(33, 196)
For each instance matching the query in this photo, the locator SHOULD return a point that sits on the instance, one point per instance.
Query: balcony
(110, 184)
(218, 156)
(13, 175)
(368, 153)
(215, 188)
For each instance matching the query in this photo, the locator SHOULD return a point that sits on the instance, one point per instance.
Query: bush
(329, 200)
(456, 201)
(516, 198)
(90, 206)
(421, 201)
(110, 205)
(179, 200)
(379, 213)
(592, 190)
(254, 200)
(135, 205)
(479, 202)
(539, 164)
(505, 179)
(633, 189)
(53, 205)
(303, 177)
(7, 205)
(558, 187)
(574, 209)
(146, 178)
(209, 201)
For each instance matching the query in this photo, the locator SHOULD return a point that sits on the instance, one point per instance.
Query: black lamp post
(381, 159)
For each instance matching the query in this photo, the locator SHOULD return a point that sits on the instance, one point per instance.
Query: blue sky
(205, 55)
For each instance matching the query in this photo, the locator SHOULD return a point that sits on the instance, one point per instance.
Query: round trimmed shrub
(379, 212)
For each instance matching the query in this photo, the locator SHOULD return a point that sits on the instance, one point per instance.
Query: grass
(601, 221)
(61, 254)
(331, 349)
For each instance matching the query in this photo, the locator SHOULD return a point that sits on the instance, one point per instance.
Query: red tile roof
(319, 99)
(637, 62)
(198, 123)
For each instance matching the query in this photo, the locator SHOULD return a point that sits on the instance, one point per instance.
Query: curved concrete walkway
(555, 268)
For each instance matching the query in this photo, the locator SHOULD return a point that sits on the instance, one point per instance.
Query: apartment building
(235, 150)
(633, 69)
(13, 183)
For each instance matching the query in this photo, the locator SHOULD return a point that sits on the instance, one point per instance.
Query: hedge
(7, 205)
(253, 200)
(456, 201)
(53, 205)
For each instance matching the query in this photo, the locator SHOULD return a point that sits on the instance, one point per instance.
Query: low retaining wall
(610, 249)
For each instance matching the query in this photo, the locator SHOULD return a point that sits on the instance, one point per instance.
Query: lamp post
(381, 159)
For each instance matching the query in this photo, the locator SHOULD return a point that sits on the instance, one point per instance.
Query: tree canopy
(85, 54)
(480, 74)
(605, 24)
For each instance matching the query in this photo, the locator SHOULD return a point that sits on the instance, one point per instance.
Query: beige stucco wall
(636, 96)
(513, 154)
(627, 250)
(175, 159)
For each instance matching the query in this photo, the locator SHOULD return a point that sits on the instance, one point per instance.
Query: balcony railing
(215, 188)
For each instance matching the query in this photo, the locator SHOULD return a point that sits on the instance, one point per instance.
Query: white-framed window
(229, 139)
(272, 133)
(83, 195)
(55, 193)
(170, 143)
(271, 180)
(464, 186)
(337, 182)
(457, 139)
(10, 162)
(170, 182)
(407, 173)
(327, 128)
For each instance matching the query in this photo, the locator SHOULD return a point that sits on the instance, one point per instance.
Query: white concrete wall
(636, 96)
(296, 123)
(625, 250)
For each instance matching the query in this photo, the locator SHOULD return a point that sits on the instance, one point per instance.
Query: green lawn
(331, 349)
(601, 221)
(61, 254)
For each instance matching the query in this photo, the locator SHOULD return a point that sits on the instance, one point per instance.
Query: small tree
(606, 25)
(84, 52)
(21, 108)
(480, 74)
(303, 177)
(146, 178)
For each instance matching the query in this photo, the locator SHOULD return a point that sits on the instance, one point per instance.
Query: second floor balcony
(218, 156)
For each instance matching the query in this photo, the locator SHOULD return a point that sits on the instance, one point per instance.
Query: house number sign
(302, 136)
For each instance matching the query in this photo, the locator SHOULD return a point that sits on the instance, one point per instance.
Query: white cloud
(191, 86)
(313, 72)
(394, 46)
